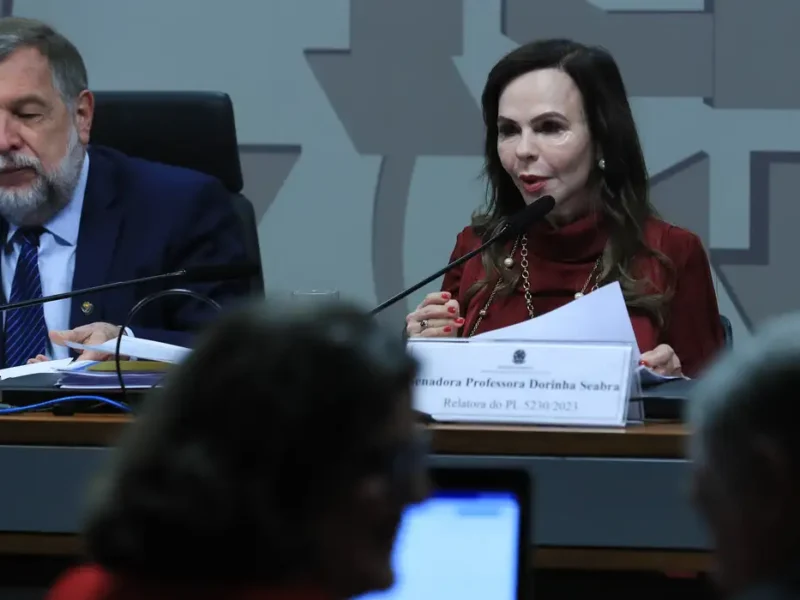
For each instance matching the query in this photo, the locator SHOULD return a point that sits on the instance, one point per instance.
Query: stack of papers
(148, 371)
(50, 366)
(91, 375)
(156, 357)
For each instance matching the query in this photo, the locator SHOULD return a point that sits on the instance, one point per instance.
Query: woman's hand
(662, 360)
(437, 316)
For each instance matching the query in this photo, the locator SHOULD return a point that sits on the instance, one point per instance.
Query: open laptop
(469, 540)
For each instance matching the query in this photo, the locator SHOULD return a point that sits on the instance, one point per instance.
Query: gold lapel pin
(87, 308)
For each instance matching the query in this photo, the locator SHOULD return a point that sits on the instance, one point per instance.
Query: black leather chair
(195, 130)
(728, 329)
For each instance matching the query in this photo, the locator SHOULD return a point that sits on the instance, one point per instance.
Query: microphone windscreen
(520, 221)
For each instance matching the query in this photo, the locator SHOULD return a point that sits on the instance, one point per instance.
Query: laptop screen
(464, 542)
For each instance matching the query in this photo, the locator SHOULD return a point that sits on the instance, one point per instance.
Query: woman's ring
(423, 324)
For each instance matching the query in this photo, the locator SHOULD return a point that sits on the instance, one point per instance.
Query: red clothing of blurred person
(92, 582)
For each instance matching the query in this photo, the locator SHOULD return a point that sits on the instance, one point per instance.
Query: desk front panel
(591, 502)
(579, 501)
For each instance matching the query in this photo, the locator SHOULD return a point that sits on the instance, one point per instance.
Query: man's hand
(91, 334)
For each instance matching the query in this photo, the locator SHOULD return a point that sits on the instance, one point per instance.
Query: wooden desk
(644, 441)
(46, 429)
(638, 441)
(561, 460)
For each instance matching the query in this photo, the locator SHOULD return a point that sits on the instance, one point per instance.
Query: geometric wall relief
(643, 42)
(265, 168)
(399, 101)
(763, 279)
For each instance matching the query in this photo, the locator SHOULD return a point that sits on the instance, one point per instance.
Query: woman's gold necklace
(508, 263)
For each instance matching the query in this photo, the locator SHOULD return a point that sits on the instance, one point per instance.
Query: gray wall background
(360, 126)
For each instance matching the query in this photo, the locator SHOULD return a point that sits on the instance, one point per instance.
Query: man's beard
(41, 200)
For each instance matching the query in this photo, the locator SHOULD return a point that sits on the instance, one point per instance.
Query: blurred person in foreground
(746, 462)
(275, 464)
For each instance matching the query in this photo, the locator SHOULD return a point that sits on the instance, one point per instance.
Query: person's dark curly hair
(266, 421)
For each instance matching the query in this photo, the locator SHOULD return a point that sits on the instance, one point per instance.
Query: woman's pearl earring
(602, 164)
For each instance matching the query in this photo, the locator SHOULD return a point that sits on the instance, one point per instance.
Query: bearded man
(73, 215)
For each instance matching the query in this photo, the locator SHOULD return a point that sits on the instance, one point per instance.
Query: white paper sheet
(597, 317)
(49, 366)
(139, 348)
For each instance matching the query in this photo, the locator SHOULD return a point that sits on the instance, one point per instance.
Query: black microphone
(198, 274)
(515, 225)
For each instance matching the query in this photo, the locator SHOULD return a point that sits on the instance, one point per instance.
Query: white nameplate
(505, 381)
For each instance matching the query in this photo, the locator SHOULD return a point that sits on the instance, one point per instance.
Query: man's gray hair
(66, 63)
(749, 394)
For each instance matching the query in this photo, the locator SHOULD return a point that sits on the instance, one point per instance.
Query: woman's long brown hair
(623, 184)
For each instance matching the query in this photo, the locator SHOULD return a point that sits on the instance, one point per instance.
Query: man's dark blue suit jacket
(143, 218)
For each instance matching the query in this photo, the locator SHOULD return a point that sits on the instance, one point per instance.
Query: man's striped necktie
(25, 328)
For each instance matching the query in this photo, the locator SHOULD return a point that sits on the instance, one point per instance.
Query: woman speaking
(558, 124)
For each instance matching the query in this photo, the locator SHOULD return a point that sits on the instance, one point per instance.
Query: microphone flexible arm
(407, 292)
(135, 310)
(196, 274)
(514, 226)
(92, 290)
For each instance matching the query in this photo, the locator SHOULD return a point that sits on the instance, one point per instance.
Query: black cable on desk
(139, 306)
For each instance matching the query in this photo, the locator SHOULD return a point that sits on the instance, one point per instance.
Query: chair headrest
(195, 130)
